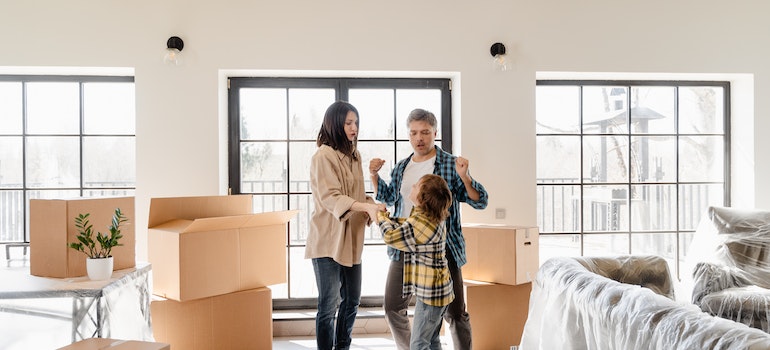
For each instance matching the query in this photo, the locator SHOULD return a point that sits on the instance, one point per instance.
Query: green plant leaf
(106, 242)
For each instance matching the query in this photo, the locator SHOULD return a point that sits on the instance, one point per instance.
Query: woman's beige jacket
(336, 182)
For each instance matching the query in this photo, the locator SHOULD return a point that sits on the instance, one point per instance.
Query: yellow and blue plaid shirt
(426, 272)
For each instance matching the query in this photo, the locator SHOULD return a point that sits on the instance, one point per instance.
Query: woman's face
(351, 129)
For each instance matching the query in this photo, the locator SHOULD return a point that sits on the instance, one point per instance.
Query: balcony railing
(13, 205)
(11, 216)
(558, 208)
(653, 209)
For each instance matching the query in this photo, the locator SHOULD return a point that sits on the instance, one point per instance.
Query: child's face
(413, 195)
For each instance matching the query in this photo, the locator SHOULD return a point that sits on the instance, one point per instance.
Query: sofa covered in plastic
(731, 265)
(623, 303)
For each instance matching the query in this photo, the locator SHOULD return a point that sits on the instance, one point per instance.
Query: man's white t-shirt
(413, 172)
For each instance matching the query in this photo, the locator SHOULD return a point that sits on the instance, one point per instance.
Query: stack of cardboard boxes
(212, 261)
(502, 262)
(52, 228)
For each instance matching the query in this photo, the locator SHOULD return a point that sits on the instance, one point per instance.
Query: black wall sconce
(174, 46)
(498, 56)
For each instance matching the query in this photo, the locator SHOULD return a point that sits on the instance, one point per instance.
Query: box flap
(474, 283)
(177, 225)
(240, 221)
(191, 208)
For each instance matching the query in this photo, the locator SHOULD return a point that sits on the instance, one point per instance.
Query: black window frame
(726, 108)
(80, 79)
(341, 86)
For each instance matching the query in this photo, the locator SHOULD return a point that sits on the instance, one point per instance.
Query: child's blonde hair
(434, 197)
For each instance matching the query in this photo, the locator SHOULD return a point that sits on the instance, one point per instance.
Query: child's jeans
(426, 326)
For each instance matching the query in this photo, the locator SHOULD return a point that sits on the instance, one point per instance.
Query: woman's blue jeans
(339, 293)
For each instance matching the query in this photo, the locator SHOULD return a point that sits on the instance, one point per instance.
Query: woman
(336, 237)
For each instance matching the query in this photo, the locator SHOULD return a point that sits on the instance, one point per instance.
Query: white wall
(180, 110)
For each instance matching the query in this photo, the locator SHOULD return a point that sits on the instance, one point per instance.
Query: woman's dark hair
(434, 197)
(332, 131)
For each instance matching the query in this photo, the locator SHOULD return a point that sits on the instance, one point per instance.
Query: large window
(63, 137)
(629, 167)
(274, 123)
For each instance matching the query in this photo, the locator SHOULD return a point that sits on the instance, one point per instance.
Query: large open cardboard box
(501, 254)
(241, 320)
(498, 313)
(206, 246)
(52, 228)
(115, 344)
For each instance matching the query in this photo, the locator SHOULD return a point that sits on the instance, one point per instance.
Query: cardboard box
(52, 228)
(196, 253)
(115, 344)
(501, 254)
(498, 313)
(241, 320)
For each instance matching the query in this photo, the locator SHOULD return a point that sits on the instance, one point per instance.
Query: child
(422, 238)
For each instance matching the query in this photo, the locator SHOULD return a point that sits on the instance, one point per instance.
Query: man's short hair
(419, 114)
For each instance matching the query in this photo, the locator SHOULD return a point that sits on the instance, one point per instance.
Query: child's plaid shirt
(423, 242)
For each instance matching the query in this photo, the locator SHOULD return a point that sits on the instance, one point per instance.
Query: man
(428, 159)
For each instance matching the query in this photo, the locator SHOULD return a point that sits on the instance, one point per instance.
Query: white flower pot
(99, 269)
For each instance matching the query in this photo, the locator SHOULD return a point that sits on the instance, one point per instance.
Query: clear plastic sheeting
(48, 313)
(729, 265)
(574, 305)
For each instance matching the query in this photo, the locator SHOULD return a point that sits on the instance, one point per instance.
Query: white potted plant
(99, 263)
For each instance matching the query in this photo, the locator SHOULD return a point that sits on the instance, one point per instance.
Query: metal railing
(12, 209)
(14, 204)
(654, 208)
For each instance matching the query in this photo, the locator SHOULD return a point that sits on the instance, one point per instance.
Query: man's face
(421, 136)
